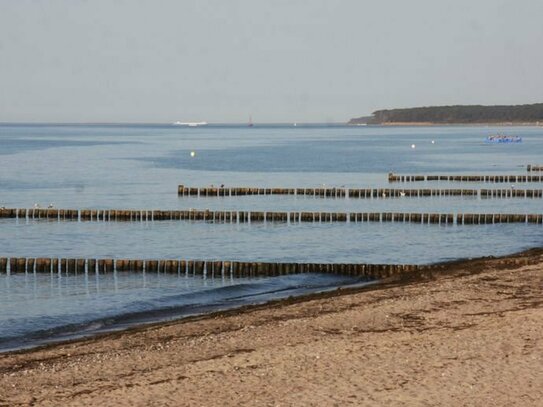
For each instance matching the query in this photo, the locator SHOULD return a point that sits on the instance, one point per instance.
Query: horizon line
(165, 123)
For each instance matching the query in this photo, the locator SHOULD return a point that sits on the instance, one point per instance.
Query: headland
(498, 115)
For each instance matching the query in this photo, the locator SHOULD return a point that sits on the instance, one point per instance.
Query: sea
(139, 166)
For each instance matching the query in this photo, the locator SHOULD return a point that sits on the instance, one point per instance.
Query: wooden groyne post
(259, 216)
(204, 268)
(466, 178)
(367, 193)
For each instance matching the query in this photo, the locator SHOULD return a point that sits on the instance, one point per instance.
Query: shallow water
(140, 166)
(40, 308)
(369, 242)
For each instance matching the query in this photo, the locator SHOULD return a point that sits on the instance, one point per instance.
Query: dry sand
(471, 336)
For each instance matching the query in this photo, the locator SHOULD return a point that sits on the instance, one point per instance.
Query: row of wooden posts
(465, 178)
(207, 268)
(535, 168)
(230, 269)
(257, 216)
(359, 192)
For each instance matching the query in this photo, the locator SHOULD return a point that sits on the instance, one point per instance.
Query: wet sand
(472, 335)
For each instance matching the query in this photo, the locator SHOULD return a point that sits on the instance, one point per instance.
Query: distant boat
(498, 138)
(250, 121)
(190, 124)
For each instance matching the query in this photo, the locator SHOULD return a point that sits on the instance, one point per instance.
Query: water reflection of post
(97, 279)
(115, 281)
(144, 277)
(87, 291)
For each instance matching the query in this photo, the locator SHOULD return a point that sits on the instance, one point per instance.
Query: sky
(274, 60)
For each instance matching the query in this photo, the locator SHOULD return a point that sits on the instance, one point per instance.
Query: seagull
(402, 193)
(512, 186)
(222, 185)
(36, 206)
(50, 206)
(3, 207)
(384, 195)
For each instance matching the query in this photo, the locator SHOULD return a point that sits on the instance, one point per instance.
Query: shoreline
(436, 124)
(468, 331)
(433, 270)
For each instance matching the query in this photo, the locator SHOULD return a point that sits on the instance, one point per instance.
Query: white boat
(190, 124)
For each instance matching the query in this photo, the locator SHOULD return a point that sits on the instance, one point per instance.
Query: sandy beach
(472, 335)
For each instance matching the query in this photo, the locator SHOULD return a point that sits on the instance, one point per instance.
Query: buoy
(192, 153)
(413, 146)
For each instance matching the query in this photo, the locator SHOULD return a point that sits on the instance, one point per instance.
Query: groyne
(131, 215)
(358, 192)
(205, 268)
(534, 168)
(510, 193)
(465, 178)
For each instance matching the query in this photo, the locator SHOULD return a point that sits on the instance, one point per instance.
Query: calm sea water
(140, 167)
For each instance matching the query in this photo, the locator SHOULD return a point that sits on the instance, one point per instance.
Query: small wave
(174, 307)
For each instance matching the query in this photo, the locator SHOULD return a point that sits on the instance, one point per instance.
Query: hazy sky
(279, 60)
